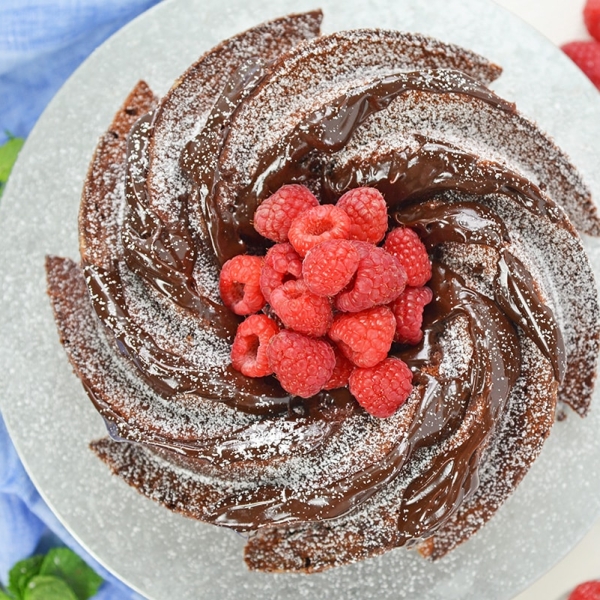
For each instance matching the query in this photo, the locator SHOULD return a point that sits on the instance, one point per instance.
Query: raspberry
(365, 337)
(382, 389)
(407, 247)
(408, 311)
(590, 590)
(274, 216)
(300, 309)
(249, 349)
(341, 371)
(329, 267)
(239, 284)
(586, 55)
(282, 264)
(368, 213)
(379, 279)
(317, 225)
(302, 364)
(591, 16)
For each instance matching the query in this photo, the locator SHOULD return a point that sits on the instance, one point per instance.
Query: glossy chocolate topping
(456, 414)
(165, 257)
(293, 158)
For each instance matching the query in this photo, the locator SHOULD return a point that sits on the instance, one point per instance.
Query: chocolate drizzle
(199, 157)
(452, 475)
(325, 130)
(164, 256)
(456, 415)
(482, 391)
(514, 291)
(433, 166)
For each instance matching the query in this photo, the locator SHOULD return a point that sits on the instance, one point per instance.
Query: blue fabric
(41, 43)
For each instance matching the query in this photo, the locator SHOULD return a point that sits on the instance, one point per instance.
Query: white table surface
(561, 21)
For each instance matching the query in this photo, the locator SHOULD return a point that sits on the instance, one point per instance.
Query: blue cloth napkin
(41, 43)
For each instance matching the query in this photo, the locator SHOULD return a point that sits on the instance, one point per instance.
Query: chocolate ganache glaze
(492, 199)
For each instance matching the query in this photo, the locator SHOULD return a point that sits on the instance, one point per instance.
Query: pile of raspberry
(326, 303)
(586, 53)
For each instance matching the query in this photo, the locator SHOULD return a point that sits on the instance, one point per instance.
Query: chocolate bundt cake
(510, 338)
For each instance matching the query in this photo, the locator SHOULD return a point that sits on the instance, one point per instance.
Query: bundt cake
(510, 338)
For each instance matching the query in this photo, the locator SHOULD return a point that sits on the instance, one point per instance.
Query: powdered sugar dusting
(556, 258)
(475, 126)
(516, 444)
(457, 349)
(322, 70)
(184, 110)
(172, 328)
(206, 276)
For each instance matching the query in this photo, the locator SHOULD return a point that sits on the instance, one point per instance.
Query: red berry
(591, 16)
(379, 279)
(341, 371)
(239, 284)
(274, 216)
(329, 267)
(302, 364)
(365, 337)
(590, 590)
(249, 349)
(382, 389)
(317, 225)
(300, 309)
(586, 55)
(368, 213)
(282, 264)
(408, 311)
(407, 247)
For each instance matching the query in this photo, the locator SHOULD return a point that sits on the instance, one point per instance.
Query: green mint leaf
(21, 573)
(3, 596)
(47, 587)
(65, 564)
(8, 155)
